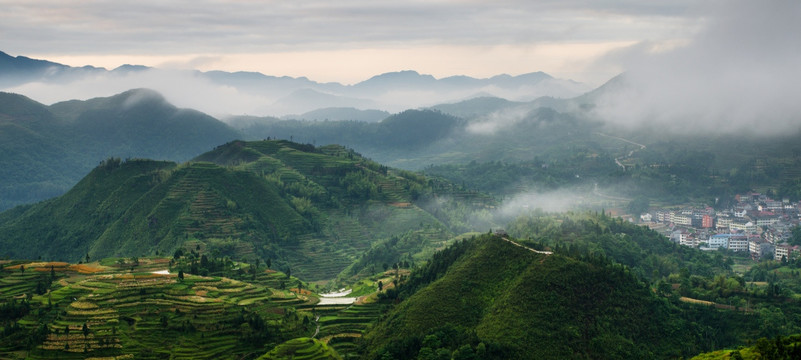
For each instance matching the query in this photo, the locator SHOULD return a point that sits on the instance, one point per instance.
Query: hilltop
(311, 210)
(47, 149)
(488, 298)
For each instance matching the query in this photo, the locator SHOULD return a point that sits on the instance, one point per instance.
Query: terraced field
(302, 348)
(115, 312)
(341, 327)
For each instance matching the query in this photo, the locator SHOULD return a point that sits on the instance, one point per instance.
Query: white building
(718, 241)
(747, 227)
(738, 243)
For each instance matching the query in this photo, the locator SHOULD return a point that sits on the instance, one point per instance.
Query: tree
(85, 330)
(380, 285)
(22, 269)
(268, 263)
(180, 274)
(638, 206)
(796, 235)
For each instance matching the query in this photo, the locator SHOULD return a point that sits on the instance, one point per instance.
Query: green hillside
(312, 210)
(414, 139)
(780, 348)
(490, 299)
(140, 123)
(47, 149)
(302, 348)
(56, 310)
(36, 160)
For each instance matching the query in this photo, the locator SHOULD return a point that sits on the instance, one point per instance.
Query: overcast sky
(351, 40)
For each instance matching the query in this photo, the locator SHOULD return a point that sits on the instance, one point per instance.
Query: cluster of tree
(254, 330)
(649, 254)
(408, 129)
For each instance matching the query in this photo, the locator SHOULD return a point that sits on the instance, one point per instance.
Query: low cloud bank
(183, 89)
(553, 201)
(739, 74)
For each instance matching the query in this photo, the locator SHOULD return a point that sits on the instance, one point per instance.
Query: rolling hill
(490, 299)
(314, 210)
(47, 149)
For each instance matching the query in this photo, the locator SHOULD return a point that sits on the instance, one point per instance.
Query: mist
(739, 74)
(183, 89)
(222, 94)
(561, 200)
(499, 120)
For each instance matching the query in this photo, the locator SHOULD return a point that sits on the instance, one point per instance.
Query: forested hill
(414, 139)
(314, 210)
(489, 298)
(47, 149)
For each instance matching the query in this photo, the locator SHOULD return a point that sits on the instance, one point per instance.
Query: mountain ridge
(390, 91)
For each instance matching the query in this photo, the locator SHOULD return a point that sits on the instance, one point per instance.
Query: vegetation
(312, 209)
(489, 298)
(302, 348)
(47, 149)
(780, 348)
(124, 309)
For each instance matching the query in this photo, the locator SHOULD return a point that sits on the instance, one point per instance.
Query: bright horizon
(564, 61)
(348, 41)
(693, 66)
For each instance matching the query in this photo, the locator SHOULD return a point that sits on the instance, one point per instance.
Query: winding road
(630, 153)
(316, 331)
(528, 248)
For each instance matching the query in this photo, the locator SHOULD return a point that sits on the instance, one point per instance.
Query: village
(756, 224)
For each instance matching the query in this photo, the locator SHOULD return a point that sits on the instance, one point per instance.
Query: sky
(349, 40)
(720, 66)
(740, 74)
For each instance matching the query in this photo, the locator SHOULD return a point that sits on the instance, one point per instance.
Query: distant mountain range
(278, 96)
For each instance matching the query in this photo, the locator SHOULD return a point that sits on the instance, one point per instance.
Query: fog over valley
(447, 179)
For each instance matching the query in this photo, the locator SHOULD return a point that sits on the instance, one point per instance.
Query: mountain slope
(314, 210)
(141, 123)
(493, 299)
(36, 159)
(47, 149)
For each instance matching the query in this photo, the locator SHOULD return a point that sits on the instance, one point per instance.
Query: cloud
(231, 26)
(181, 88)
(738, 74)
(554, 201)
(500, 120)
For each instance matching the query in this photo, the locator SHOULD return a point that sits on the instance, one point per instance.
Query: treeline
(411, 128)
(486, 298)
(649, 254)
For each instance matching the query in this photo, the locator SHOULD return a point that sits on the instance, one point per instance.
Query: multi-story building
(707, 221)
(723, 222)
(679, 218)
(783, 251)
(738, 242)
(718, 241)
(742, 226)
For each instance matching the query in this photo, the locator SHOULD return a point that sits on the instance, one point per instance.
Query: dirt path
(710, 303)
(527, 248)
(317, 330)
(630, 153)
(597, 193)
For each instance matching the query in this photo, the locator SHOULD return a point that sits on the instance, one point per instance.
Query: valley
(470, 227)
